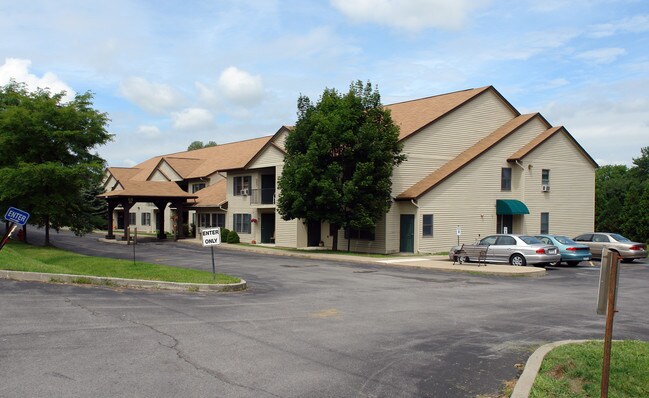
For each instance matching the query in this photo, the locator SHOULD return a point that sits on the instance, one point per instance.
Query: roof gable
(413, 116)
(465, 157)
(543, 137)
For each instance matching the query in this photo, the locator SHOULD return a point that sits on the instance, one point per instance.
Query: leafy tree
(199, 144)
(612, 183)
(339, 160)
(46, 164)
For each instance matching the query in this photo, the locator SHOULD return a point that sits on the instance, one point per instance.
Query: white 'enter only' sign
(211, 236)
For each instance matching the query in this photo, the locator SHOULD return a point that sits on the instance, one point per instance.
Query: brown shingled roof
(541, 138)
(465, 158)
(212, 196)
(148, 189)
(412, 116)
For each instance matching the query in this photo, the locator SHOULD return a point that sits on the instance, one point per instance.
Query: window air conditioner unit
(244, 192)
(545, 188)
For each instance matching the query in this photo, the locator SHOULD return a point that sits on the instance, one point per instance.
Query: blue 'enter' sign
(16, 215)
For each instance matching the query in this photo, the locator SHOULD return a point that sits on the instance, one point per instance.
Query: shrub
(233, 237)
(224, 234)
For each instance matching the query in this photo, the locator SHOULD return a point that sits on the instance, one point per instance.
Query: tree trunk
(47, 230)
(334, 245)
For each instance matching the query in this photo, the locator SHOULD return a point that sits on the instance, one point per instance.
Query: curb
(532, 366)
(122, 282)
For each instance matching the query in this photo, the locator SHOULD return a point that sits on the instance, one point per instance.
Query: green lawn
(16, 256)
(575, 370)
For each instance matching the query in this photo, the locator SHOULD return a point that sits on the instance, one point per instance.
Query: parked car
(572, 253)
(514, 249)
(627, 249)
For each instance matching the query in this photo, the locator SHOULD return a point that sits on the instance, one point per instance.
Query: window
(427, 225)
(545, 223)
(132, 218)
(146, 218)
(545, 177)
(241, 185)
(208, 220)
(360, 234)
(506, 179)
(241, 223)
(197, 187)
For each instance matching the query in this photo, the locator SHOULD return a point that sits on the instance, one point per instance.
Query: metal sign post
(608, 282)
(211, 237)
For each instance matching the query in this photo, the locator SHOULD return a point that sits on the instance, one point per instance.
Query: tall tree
(200, 144)
(47, 163)
(612, 183)
(339, 160)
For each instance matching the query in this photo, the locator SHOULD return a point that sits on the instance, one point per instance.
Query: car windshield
(564, 240)
(530, 240)
(620, 238)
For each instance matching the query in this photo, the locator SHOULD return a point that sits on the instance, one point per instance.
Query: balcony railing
(264, 196)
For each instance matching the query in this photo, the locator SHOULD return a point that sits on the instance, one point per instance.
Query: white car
(513, 249)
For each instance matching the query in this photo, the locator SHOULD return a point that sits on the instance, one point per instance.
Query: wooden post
(608, 335)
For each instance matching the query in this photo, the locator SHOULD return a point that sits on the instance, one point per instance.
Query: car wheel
(555, 263)
(572, 263)
(517, 260)
(466, 259)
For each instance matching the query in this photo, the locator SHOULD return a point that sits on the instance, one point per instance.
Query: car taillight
(635, 247)
(540, 251)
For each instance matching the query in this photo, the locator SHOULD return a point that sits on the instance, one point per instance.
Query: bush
(233, 237)
(224, 234)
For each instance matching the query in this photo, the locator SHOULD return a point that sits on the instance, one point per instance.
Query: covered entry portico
(506, 210)
(160, 193)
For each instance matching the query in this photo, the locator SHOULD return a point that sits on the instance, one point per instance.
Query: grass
(575, 370)
(16, 256)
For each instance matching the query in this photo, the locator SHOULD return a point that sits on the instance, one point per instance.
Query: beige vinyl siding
(169, 172)
(158, 176)
(271, 157)
(570, 201)
(393, 225)
(468, 198)
(442, 141)
(280, 139)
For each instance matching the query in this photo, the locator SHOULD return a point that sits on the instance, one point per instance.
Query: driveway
(304, 328)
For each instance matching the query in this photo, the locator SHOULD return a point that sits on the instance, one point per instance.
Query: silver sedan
(514, 249)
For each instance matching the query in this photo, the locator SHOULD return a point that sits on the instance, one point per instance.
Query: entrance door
(505, 221)
(267, 228)
(313, 233)
(407, 233)
(120, 219)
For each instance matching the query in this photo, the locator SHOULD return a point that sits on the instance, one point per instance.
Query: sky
(168, 73)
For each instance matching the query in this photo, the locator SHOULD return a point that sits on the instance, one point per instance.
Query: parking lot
(304, 327)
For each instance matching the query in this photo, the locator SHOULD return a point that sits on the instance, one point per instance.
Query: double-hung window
(427, 225)
(146, 218)
(506, 179)
(241, 223)
(545, 223)
(241, 185)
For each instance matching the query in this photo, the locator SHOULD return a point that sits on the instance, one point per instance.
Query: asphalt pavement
(304, 327)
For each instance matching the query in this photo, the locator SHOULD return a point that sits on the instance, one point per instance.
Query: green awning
(511, 206)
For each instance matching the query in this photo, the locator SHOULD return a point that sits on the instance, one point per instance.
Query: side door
(503, 249)
(599, 242)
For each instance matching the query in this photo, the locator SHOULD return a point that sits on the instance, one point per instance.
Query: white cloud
(18, 69)
(241, 87)
(611, 127)
(602, 55)
(192, 119)
(411, 15)
(149, 131)
(634, 24)
(153, 97)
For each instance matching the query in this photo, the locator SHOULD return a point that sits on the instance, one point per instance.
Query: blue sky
(170, 72)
